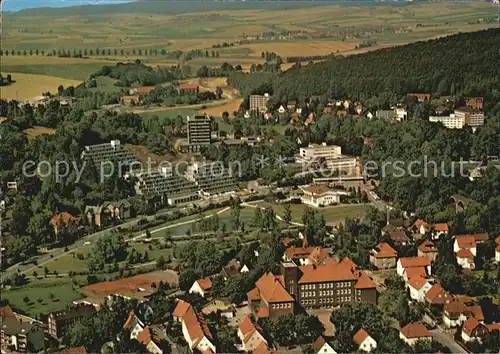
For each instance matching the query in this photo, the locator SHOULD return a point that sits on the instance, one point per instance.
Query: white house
(202, 287)
(418, 287)
(465, 251)
(281, 109)
(319, 195)
(413, 262)
(321, 346)
(364, 341)
(134, 325)
(196, 331)
(438, 230)
(250, 335)
(413, 332)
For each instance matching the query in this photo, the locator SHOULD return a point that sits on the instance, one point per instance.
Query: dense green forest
(459, 64)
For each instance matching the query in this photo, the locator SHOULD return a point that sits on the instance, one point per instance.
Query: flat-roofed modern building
(199, 131)
(103, 155)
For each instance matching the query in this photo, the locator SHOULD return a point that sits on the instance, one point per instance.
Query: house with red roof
(321, 346)
(250, 334)
(418, 287)
(421, 227)
(64, 223)
(187, 88)
(306, 255)
(134, 325)
(414, 332)
(404, 264)
(150, 340)
(437, 295)
(439, 230)
(202, 287)
(428, 249)
(456, 312)
(383, 256)
(473, 330)
(465, 248)
(364, 341)
(195, 330)
(180, 310)
(269, 298)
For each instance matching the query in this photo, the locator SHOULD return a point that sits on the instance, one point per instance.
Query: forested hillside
(464, 63)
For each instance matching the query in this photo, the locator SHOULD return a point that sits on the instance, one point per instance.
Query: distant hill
(461, 63)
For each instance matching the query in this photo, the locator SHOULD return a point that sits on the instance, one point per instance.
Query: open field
(62, 289)
(324, 29)
(34, 132)
(30, 86)
(333, 214)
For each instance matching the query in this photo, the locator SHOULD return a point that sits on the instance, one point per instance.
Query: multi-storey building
(330, 154)
(211, 177)
(258, 103)
(470, 116)
(474, 102)
(199, 131)
(383, 256)
(104, 156)
(450, 122)
(165, 184)
(20, 336)
(59, 321)
(269, 298)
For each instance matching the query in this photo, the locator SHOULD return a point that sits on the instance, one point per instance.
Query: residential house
(202, 287)
(250, 334)
(150, 340)
(232, 269)
(142, 90)
(319, 195)
(22, 337)
(291, 105)
(306, 255)
(428, 249)
(465, 249)
(421, 227)
(399, 237)
(65, 224)
(476, 103)
(364, 341)
(418, 287)
(383, 256)
(59, 321)
(180, 310)
(421, 97)
(369, 115)
(196, 331)
(437, 295)
(321, 346)
(414, 332)
(269, 298)
(405, 263)
(101, 215)
(134, 325)
(456, 313)
(359, 109)
(186, 88)
(130, 100)
(281, 109)
(438, 230)
(473, 330)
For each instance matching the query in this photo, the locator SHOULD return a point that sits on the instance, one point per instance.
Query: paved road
(446, 339)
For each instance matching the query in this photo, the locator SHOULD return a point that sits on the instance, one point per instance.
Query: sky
(16, 5)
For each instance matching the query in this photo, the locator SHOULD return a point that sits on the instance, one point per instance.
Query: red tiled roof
(360, 336)
(364, 282)
(253, 295)
(329, 272)
(417, 282)
(465, 253)
(420, 223)
(454, 307)
(493, 327)
(299, 252)
(318, 344)
(410, 262)
(481, 237)
(205, 284)
(318, 255)
(248, 328)
(475, 311)
(181, 308)
(466, 241)
(6, 312)
(437, 295)
(144, 336)
(272, 290)
(470, 325)
(442, 227)
(61, 218)
(384, 250)
(349, 262)
(188, 86)
(415, 330)
(263, 311)
(196, 326)
(399, 236)
(427, 247)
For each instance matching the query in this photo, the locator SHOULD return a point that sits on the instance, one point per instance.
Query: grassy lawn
(333, 214)
(74, 71)
(62, 289)
(105, 84)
